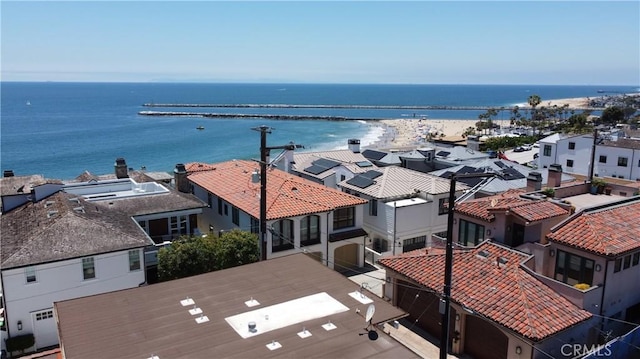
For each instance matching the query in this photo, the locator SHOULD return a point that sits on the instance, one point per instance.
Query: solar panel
(500, 164)
(315, 169)
(364, 164)
(360, 181)
(512, 174)
(371, 174)
(375, 155)
(323, 162)
(320, 165)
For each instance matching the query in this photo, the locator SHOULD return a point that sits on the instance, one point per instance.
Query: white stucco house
(405, 207)
(617, 159)
(301, 215)
(59, 248)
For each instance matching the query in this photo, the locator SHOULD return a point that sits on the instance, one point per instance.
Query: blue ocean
(59, 130)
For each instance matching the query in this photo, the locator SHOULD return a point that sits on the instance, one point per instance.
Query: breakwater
(355, 107)
(251, 116)
(350, 107)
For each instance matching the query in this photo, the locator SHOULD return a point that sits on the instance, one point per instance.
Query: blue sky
(418, 42)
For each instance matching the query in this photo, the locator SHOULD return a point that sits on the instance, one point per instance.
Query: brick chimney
(354, 145)
(180, 178)
(534, 181)
(121, 168)
(555, 175)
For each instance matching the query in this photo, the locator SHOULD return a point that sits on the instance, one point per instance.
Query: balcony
(587, 299)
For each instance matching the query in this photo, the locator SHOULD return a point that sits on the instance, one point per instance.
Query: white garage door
(44, 328)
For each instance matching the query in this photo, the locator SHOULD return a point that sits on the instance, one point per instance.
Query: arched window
(310, 230)
(282, 237)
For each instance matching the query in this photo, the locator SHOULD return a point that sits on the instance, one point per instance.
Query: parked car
(518, 149)
(526, 147)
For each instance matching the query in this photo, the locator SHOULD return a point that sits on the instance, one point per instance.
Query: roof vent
(79, 209)
(74, 199)
(48, 204)
(501, 261)
(51, 214)
(483, 254)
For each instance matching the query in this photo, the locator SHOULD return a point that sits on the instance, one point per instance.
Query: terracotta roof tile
(612, 230)
(287, 195)
(198, 167)
(527, 209)
(538, 210)
(506, 294)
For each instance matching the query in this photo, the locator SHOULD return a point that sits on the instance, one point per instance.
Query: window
(603, 159)
(344, 218)
(622, 161)
(618, 265)
(88, 268)
(572, 145)
(572, 269)
(342, 178)
(134, 260)
(178, 225)
(414, 243)
(255, 225)
(627, 262)
(373, 207)
(282, 235)
(310, 230)
(226, 210)
(47, 314)
(143, 225)
(30, 274)
(636, 259)
(546, 150)
(469, 233)
(210, 199)
(443, 206)
(569, 163)
(235, 216)
(219, 206)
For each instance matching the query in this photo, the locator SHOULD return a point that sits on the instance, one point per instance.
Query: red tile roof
(506, 294)
(527, 209)
(287, 195)
(198, 167)
(612, 230)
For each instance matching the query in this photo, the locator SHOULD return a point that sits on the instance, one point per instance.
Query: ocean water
(60, 130)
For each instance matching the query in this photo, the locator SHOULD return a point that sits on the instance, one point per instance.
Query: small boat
(28, 103)
(200, 128)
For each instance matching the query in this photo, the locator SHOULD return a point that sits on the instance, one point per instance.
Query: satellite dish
(370, 311)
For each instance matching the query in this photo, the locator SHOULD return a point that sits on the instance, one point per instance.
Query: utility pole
(448, 266)
(264, 153)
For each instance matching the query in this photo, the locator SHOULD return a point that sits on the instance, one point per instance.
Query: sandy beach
(400, 133)
(413, 133)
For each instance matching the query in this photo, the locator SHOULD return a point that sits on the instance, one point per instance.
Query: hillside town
(518, 241)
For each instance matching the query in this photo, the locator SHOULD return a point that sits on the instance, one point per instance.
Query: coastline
(412, 133)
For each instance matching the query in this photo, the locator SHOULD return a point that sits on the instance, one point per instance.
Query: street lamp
(448, 266)
(264, 153)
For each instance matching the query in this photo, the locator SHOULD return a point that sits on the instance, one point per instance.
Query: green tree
(189, 256)
(612, 115)
(236, 248)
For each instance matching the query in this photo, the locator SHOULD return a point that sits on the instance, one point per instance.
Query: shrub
(20, 342)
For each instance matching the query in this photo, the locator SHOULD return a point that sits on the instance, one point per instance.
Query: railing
(371, 256)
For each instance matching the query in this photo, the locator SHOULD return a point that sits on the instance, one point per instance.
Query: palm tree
(534, 100)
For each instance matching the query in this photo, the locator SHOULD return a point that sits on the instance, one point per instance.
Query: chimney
(534, 181)
(354, 145)
(555, 175)
(121, 168)
(180, 177)
(8, 173)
